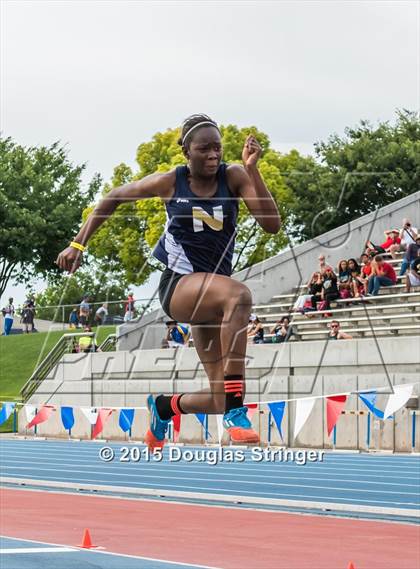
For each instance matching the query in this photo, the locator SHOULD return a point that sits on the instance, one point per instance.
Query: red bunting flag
(176, 421)
(252, 407)
(103, 416)
(42, 416)
(334, 407)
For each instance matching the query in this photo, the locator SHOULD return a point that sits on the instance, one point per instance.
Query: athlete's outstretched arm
(155, 185)
(249, 185)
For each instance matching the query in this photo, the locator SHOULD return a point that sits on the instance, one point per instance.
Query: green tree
(367, 168)
(41, 204)
(127, 238)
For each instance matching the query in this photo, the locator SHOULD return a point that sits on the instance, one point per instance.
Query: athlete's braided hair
(191, 122)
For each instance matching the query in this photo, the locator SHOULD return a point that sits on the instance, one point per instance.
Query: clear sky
(103, 77)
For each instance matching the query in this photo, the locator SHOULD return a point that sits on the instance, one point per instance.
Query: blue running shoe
(155, 436)
(239, 426)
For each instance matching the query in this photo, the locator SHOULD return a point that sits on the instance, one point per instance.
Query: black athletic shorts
(167, 284)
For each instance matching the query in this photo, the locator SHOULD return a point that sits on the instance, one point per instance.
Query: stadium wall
(124, 379)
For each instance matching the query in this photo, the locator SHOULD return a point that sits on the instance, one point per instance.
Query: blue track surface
(58, 558)
(352, 479)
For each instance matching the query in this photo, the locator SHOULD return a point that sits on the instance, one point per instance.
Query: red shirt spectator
(392, 240)
(366, 270)
(387, 270)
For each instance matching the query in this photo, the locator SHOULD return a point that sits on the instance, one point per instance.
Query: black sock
(168, 405)
(234, 389)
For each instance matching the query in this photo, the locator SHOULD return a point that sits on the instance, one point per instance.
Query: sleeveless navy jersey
(199, 232)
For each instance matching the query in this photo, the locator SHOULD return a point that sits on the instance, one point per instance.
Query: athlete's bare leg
(218, 307)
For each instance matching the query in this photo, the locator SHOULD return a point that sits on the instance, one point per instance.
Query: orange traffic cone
(351, 566)
(87, 541)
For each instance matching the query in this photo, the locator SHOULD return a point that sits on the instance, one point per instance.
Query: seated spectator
(336, 334)
(383, 274)
(322, 267)
(314, 289)
(282, 331)
(357, 281)
(366, 262)
(329, 290)
(177, 334)
(413, 276)
(344, 279)
(388, 246)
(73, 319)
(410, 255)
(408, 235)
(255, 330)
(88, 343)
(101, 314)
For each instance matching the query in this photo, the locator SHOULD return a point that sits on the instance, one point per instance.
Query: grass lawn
(19, 356)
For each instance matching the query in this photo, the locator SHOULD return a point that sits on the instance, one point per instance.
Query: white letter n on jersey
(200, 216)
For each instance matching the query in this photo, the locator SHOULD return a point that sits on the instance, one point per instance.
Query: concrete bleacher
(392, 312)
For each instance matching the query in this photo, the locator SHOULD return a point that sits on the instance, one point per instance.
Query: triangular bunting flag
(103, 416)
(176, 421)
(277, 410)
(42, 416)
(398, 399)
(335, 405)
(6, 411)
(252, 408)
(30, 411)
(202, 418)
(90, 414)
(304, 407)
(126, 419)
(369, 399)
(67, 417)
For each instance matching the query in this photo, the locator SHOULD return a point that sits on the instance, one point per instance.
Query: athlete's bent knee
(239, 300)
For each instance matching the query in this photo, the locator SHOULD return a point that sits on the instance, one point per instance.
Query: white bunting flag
(401, 395)
(219, 419)
(90, 414)
(304, 407)
(30, 411)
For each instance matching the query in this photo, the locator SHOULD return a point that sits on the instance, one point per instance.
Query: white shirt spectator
(408, 234)
(101, 314)
(9, 311)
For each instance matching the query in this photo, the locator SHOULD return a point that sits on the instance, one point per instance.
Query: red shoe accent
(241, 435)
(152, 442)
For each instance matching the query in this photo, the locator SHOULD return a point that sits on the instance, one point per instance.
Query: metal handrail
(108, 345)
(49, 362)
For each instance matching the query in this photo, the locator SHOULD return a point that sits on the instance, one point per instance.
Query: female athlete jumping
(201, 200)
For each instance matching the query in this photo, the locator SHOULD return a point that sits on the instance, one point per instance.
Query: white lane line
(97, 552)
(206, 492)
(279, 475)
(213, 480)
(321, 468)
(317, 502)
(92, 447)
(19, 550)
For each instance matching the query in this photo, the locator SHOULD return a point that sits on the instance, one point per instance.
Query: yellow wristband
(78, 246)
